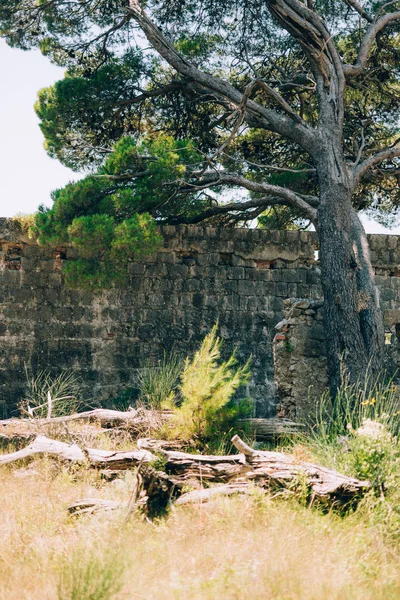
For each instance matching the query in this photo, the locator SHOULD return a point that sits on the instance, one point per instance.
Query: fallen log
(93, 505)
(104, 416)
(156, 489)
(101, 459)
(270, 429)
(202, 496)
(138, 422)
(269, 470)
(284, 470)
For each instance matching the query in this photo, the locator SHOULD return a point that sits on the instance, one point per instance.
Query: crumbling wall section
(300, 365)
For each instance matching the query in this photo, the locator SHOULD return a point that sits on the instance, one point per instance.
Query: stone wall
(300, 365)
(239, 277)
(299, 349)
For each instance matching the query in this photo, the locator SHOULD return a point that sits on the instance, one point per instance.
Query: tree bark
(353, 318)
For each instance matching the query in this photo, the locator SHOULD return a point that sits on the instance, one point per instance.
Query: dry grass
(235, 548)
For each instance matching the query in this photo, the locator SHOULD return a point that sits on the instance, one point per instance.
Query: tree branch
(309, 29)
(272, 94)
(305, 204)
(358, 8)
(367, 42)
(151, 93)
(241, 208)
(123, 176)
(370, 162)
(297, 131)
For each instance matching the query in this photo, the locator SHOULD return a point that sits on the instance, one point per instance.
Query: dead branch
(136, 421)
(155, 490)
(268, 470)
(202, 496)
(44, 446)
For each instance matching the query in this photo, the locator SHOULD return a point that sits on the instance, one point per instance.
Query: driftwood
(261, 467)
(204, 495)
(138, 422)
(284, 470)
(102, 459)
(106, 417)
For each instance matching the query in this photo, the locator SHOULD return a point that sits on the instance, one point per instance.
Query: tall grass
(250, 547)
(91, 573)
(358, 434)
(158, 385)
(51, 395)
(378, 400)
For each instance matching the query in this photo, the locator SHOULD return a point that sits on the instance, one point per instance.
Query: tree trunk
(353, 318)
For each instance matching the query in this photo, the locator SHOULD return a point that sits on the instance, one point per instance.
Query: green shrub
(207, 389)
(50, 395)
(372, 454)
(158, 385)
(357, 434)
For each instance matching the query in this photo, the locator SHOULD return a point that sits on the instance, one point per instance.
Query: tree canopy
(221, 112)
(204, 111)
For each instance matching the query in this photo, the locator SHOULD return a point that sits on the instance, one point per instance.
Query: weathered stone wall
(299, 350)
(300, 364)
(239, 277)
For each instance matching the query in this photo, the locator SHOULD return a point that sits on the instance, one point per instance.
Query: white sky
(28, 175)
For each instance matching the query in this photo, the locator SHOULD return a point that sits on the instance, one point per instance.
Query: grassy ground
(235, 548)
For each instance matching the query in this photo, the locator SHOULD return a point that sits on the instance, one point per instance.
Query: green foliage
(197, 46)
(111, 217)
(93, 274)
(281, 217)
(62, 390)
(377, 400)
(207, 388)
(27, 224)
(135, 237)
(81, 114)
(371, 454)
(113, 89)
(358, 434)
(158, 385)
(91, 234)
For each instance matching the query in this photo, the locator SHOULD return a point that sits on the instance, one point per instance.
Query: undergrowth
(255, 547)
(49, 395)
(158, 385)
(358, 434)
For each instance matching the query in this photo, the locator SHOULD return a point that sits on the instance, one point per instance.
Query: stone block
(235, 273)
